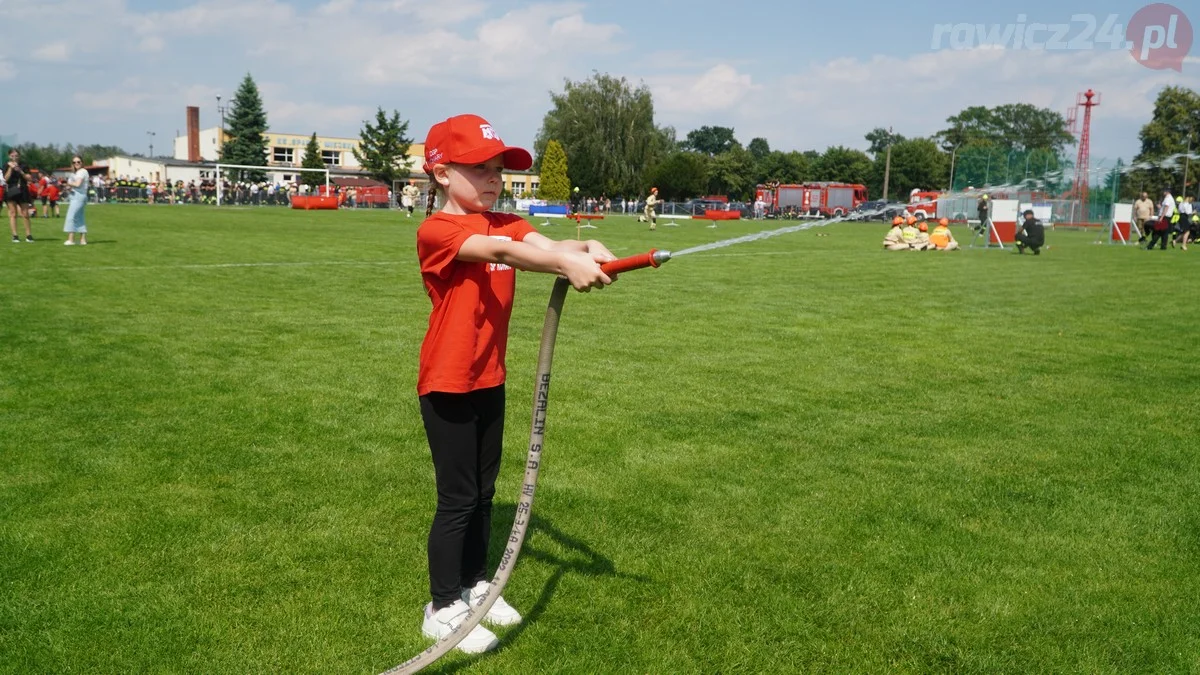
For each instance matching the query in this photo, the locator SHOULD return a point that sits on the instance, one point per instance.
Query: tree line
(600, 135)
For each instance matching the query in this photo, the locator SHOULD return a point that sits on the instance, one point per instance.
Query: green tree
(731, 173)
(917, 163)
(784, 167)
(1175, 120)
(312, 160)
(383, 149)
(1019, 126)
(880, 139)
(843, 165)
(759, 148)
(247, 143)
(51, 157)
(606, 126)
(682, 175)
(711, 141)
(553, 184)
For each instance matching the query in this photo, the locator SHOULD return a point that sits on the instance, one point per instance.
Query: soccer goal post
(265, 169)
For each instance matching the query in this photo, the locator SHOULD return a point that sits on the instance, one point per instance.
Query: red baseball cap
(470, 139)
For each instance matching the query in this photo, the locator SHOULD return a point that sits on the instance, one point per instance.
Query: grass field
(796, 455)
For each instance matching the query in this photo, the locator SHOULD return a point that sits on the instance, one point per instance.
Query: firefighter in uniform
(982, 207)
(894, 239)
(942, 238)
(651, 202)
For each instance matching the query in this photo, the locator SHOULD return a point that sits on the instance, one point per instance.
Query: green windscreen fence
(1042, 176)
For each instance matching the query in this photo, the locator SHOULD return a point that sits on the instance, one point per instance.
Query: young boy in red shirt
(468, 255)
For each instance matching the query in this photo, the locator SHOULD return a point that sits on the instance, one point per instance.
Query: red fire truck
(811, 199)
(923, 205)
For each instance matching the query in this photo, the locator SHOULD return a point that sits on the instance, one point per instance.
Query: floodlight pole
(221, 134)
(952, 157)
(1187, 160)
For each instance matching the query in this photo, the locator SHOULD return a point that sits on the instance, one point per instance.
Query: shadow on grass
(590, 563)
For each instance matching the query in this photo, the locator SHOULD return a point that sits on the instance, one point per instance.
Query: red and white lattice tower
(1085, 100)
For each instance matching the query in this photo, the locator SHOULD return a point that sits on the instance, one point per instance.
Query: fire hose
(533, 461)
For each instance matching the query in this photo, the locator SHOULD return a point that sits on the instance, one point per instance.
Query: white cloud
(719, 88)
(838, 101)
(54, 52)
(151, 44)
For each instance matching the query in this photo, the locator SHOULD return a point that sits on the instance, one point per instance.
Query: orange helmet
(923, 227)
(897, 220)
(944, 222)
(911, 220)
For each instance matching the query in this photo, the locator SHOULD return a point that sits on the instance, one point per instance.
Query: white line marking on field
(744, 255)
(202, 266)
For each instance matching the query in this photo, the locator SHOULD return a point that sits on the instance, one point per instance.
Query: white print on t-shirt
(499, 267)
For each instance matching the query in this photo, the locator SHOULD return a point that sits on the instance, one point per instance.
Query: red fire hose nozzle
(653, 258)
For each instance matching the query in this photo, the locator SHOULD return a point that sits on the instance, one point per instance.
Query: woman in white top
(78, 182)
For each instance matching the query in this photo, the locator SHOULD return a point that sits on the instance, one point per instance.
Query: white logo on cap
(488, 132)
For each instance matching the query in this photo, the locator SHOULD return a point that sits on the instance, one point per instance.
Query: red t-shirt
(467, 338)
(51, 192)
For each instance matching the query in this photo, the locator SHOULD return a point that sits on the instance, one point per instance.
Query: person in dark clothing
(1032, 234)
(982, 207)
(1160, 233)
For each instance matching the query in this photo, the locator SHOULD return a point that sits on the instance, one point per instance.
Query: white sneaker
(442, 622)
(68, 243)
(501, 613)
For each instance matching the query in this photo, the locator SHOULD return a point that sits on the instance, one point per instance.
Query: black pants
(1159, 235)
(465, 433)
(1033, 244)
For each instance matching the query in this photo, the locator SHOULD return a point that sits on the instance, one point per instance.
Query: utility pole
(887, 165)
(151, 135)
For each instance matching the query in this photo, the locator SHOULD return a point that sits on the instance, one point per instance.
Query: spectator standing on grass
(1162, 226)
(16, 195)
(469, 256)
(1031, 234)
(1185, 221)
(1143, 210)
(78, 184)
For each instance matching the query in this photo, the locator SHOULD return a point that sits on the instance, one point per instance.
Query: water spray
(533, 462)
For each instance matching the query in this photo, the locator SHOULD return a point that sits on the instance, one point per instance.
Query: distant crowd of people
(1173, 221)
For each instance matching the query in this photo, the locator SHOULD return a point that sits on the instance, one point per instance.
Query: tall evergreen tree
(383, 148)
(553, 183)
(312, 160)
(247, 122)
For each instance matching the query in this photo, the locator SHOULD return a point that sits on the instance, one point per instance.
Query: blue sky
(802, 75)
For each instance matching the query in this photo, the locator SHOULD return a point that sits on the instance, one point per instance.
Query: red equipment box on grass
(812, 199)
(313, 202)
(710, 214)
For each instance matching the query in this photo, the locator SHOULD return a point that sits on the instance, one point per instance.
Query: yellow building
(287, 151)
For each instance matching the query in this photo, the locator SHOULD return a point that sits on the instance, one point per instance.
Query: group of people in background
(1173, 221)
(913, 234)
(22, 190)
